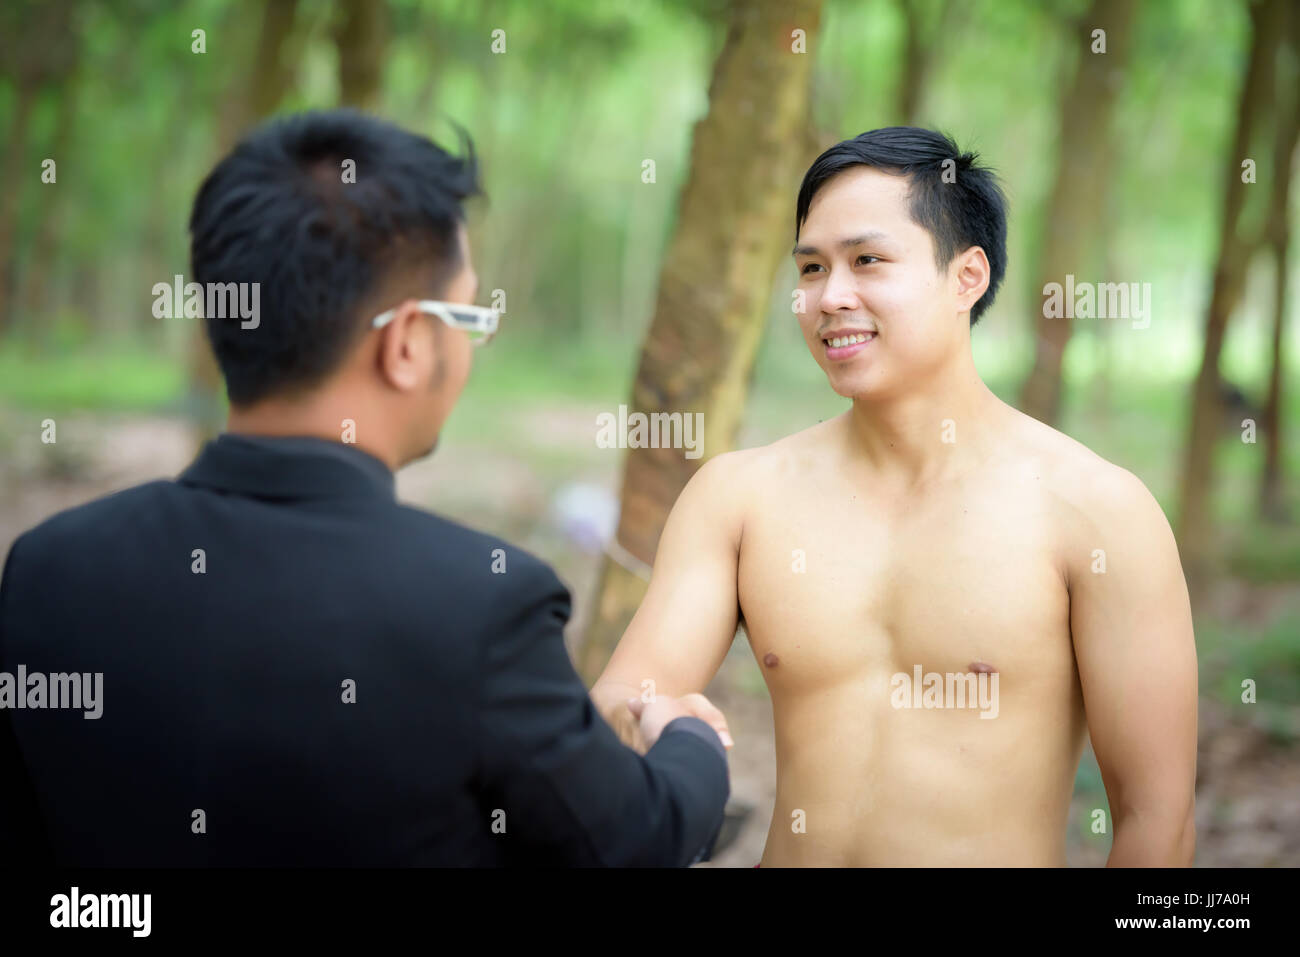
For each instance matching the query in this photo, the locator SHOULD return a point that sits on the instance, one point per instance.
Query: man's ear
(972, 277)
(439, 355)
(404, 347)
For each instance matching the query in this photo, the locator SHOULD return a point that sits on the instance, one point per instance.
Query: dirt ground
(1248, 800)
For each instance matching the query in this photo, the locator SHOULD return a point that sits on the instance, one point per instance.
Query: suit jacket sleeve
(23, 841)
(571, 792)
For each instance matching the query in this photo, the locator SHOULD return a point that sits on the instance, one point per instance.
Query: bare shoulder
(716, 495)
(758, 467)
(733, 482)
(1093, 495)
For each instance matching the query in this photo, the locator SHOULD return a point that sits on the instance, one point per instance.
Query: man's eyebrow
(869, 237)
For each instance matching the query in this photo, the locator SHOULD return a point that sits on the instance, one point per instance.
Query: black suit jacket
(334, 679)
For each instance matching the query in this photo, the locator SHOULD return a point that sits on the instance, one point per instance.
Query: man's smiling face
(879, 315)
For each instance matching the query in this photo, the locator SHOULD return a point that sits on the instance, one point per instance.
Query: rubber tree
(734, 224)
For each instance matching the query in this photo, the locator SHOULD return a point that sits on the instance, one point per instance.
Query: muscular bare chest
(838, 588)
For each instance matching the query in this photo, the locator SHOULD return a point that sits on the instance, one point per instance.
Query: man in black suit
(269, 661)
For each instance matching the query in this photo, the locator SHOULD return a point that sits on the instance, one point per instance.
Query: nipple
(771, 660)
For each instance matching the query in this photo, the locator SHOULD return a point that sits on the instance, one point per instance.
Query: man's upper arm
(1132, 627)
(687, 620)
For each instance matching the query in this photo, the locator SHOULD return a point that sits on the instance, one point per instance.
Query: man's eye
(872, 258)
(804, 270)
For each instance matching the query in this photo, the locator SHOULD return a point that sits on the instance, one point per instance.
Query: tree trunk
(270, 77)
(14, 172)
(1078, 191)
(1195, 523)
(38, 46)
(272, 74)
(735, 215)
(45, 248)
(1272, 502)
(912, 75)
(922, 42)
(361, 35)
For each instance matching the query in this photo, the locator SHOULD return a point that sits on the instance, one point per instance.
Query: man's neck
(936, 429)
(284, 418)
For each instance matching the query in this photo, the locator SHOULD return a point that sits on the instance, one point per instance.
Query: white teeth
(840, 341)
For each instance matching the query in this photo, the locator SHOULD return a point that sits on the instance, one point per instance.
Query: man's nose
(839, 293)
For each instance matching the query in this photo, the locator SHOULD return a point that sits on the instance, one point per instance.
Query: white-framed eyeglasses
(479, 322)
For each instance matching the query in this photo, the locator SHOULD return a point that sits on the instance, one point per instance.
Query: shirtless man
(930, 529)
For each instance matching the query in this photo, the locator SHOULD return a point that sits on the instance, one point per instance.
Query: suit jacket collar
(289, 467)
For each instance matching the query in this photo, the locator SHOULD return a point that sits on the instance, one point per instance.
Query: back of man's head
(320, 209)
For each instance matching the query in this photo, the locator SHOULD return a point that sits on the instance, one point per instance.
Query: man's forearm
(610, 699)
(1153, 840)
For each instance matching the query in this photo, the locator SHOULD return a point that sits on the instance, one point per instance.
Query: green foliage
(1266, 554)
(1268, 654)
(120, 378)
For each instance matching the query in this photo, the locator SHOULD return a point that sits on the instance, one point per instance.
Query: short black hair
(970, 210)
(278, 212)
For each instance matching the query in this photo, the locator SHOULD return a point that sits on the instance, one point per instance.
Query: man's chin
(853, 387)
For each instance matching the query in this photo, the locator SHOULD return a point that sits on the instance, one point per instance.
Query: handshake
(639, 723)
